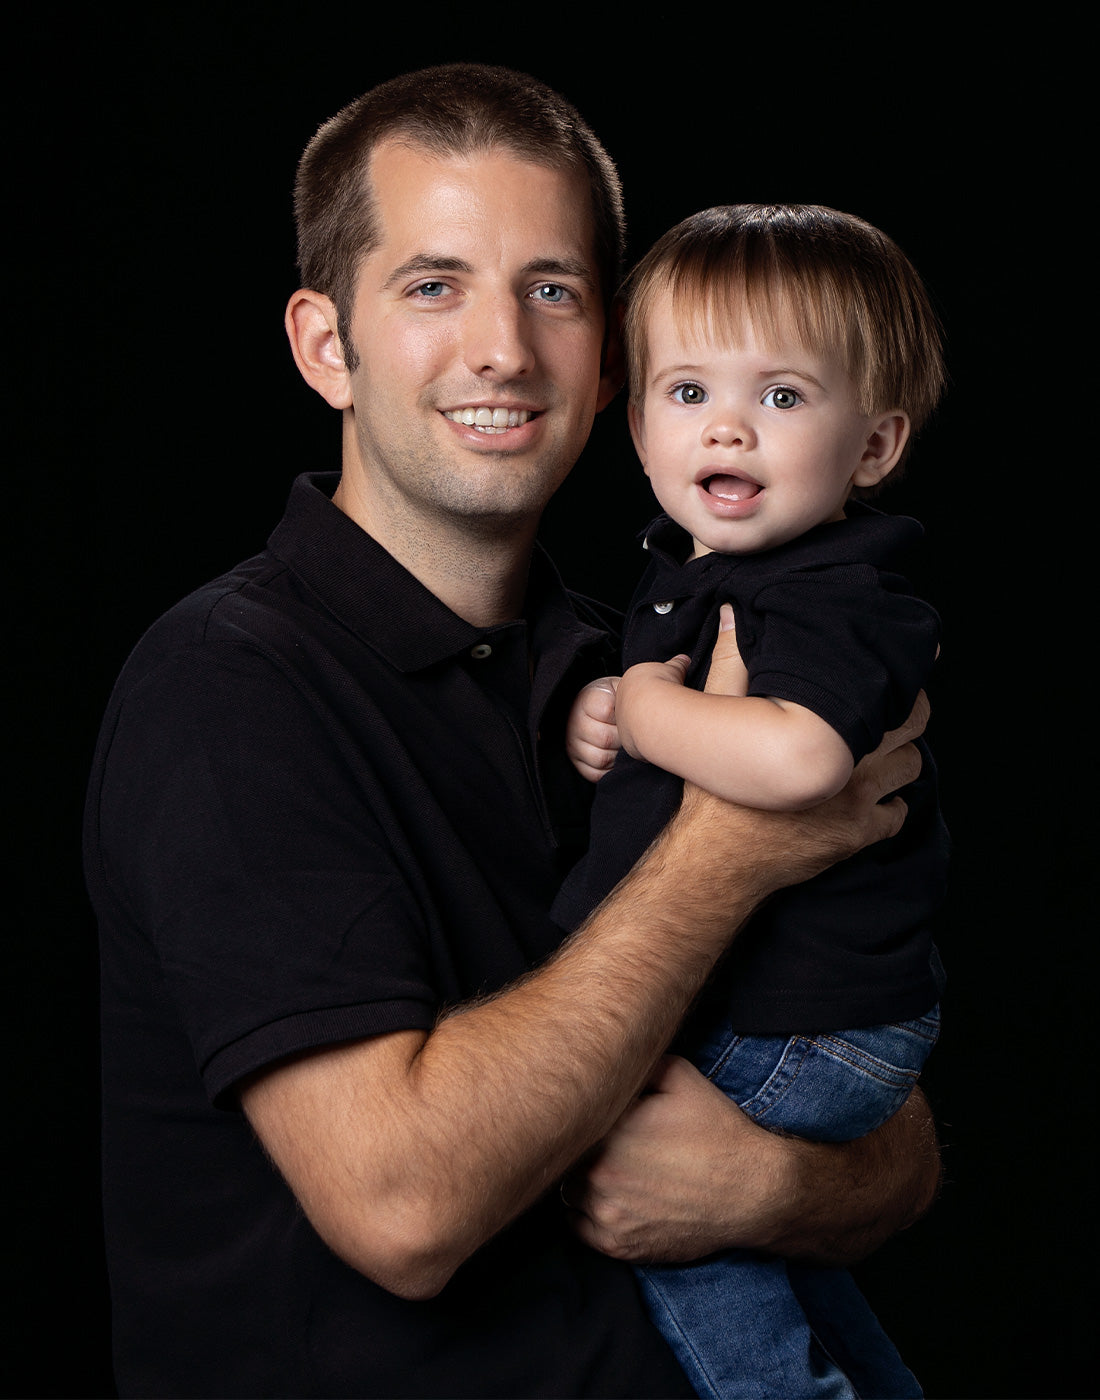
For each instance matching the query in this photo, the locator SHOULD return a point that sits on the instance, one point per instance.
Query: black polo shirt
(323, 807)
(830, 622)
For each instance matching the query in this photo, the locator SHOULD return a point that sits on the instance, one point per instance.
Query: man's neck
(479, 572)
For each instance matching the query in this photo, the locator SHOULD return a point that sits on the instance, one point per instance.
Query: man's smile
(489, 420)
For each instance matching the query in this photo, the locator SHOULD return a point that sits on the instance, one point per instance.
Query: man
(345, 1063)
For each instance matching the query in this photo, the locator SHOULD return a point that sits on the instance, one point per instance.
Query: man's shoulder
(243, 593)
(249, 608)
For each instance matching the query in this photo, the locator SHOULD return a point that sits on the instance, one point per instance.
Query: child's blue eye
(782, 398)
(690, 394)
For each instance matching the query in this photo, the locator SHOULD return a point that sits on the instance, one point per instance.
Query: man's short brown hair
(840, 284)
(453, 109)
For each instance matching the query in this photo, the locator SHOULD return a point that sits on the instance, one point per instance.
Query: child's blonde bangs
(835, 284)
(718, 303)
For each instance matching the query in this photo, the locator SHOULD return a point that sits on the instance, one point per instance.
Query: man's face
(479, 324)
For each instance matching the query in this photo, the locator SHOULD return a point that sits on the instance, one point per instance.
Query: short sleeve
(240, 832)
(851, 643)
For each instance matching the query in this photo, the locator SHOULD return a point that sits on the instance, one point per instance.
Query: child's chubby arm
(748, 749)
(591, 734)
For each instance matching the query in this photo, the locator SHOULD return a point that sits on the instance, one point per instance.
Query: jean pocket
(840, 1085)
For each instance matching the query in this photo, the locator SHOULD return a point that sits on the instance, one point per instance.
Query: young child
(780, 358)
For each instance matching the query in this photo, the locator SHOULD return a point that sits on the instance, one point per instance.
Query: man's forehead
(402, 151)
(420, 193)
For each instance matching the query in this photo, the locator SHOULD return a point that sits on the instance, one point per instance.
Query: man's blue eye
(690, 394)
(550, 291)
(431, 289)
(782, 398)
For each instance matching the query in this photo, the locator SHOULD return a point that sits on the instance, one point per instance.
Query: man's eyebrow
(560, 267)
(426, 262)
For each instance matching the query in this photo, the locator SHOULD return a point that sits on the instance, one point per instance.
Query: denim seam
(865, 1063)
(780, 1081)
(784, 1076)
(684, 1336)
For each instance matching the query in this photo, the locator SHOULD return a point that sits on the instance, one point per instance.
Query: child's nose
(728, 427)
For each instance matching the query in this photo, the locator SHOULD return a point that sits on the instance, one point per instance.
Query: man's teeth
(489, 420)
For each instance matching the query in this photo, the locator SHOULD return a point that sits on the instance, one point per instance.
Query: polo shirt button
(481, 651)
(663, 608)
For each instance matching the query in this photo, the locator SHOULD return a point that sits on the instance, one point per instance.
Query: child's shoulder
(865, 536)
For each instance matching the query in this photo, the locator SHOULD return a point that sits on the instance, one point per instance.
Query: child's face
(752, 445)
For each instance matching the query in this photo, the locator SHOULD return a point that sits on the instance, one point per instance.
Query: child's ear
(636, 419)
(882, 449)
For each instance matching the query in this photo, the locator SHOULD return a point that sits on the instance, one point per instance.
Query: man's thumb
(728, 675)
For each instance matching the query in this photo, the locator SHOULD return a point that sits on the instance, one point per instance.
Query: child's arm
(749, 749)
(591, 735)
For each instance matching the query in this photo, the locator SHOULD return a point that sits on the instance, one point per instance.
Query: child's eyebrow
(793, 373)
(676, 369)
(779, 372)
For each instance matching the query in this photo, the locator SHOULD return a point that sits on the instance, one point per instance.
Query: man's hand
(685, 1173)
(859, 815)
(770, 850)
(644, 1194)
(591, 733)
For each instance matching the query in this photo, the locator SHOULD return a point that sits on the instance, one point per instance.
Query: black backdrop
(149, 161)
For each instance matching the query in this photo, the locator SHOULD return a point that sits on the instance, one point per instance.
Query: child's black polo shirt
(316, 815)
(828, 621)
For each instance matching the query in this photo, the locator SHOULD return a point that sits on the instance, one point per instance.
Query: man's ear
(882, 449)
(613, 362)
(635, 417)
(315, 344)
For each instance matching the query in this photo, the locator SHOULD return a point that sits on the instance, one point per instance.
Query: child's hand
(591, 734)
(637, 691)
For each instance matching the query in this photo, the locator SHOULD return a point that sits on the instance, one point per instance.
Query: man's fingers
(894, 765)
(913, 727)
(728, 674)
(886, 820)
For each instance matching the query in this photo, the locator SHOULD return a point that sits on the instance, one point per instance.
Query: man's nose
(497, 338)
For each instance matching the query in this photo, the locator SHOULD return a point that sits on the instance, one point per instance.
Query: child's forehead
(730, 318)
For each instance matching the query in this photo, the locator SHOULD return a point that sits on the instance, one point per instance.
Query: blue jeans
(743, 1325)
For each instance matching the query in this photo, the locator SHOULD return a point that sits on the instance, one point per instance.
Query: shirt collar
(666, 540)
(361, 583)
(878, 540)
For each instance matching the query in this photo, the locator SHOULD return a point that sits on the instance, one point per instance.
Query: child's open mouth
(731, 488)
